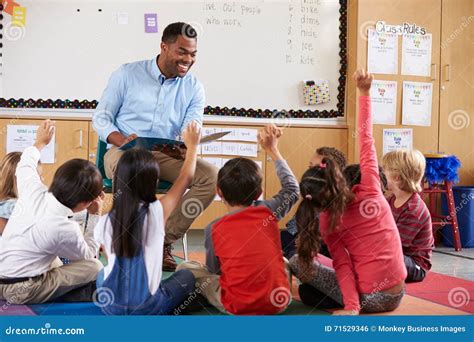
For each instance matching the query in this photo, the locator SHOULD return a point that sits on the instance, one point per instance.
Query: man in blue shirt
(159, 98)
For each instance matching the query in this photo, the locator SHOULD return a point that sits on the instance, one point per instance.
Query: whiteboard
(251, 54)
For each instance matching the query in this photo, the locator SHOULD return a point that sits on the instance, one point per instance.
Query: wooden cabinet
(457, 85)
(426, 13)
(72, 141)
(93, 143)
(451, 23)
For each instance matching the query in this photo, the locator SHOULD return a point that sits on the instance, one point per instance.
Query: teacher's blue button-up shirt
(138, 99)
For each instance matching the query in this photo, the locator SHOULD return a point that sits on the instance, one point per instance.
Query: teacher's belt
(173, 151)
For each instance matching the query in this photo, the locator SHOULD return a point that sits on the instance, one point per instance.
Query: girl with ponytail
(133, 236)
(357, 226)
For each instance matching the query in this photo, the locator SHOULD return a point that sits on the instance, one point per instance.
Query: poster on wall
(417, 103)
(382, 54)
(397, 139)
(19, 137)
(416, 55)
(384, 102)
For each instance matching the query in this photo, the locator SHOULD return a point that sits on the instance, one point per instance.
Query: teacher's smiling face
(177, 57)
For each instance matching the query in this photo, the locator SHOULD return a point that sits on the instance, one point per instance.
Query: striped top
(414, 224)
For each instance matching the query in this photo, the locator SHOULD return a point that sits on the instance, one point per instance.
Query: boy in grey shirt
(244, 246)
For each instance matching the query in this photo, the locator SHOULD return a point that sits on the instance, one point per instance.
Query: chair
(444, 186)
(162, 188)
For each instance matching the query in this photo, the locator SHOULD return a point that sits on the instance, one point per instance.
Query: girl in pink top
(357, 226)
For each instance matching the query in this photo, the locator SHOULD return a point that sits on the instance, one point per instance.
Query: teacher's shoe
(169, 264)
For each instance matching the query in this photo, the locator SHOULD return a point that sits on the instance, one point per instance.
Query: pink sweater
(366, 247)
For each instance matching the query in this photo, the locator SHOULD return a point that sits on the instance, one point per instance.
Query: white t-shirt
(153, 239)
(39, 229)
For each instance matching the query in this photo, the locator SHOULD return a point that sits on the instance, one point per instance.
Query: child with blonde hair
(405, 170)
(8, 190)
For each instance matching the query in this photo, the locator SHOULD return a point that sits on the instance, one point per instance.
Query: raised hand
(268, 137)
(192, 135)
(363, 81)
(45, 133)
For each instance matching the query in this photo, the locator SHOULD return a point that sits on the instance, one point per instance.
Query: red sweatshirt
(414, 224)
(366, 248)
(253, 279)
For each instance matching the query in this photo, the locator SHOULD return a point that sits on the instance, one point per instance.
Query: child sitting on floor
(245, 270)
(8, 192)
(404, 170)
(352, 175)
(288, 236)
(358, 228)
(39, 231)
(133, 234)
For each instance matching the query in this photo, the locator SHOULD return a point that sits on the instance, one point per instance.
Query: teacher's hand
(118, 139)
(131, 137)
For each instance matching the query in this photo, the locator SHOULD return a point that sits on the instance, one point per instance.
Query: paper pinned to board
(19, 137)
(397, 139)
(382, 54)
(417, 103)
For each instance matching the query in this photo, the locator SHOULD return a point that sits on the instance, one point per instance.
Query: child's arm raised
(281, 203)
(27, 177)
(191, 136)
(368, 156)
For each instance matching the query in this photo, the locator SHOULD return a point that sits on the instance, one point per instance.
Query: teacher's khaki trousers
(199, 197)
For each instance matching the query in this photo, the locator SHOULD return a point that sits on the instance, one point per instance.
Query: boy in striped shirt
(404, 171)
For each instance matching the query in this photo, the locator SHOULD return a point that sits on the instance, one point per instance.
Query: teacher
(159, 98)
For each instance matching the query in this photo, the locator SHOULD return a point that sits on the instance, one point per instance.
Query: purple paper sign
(151, 23)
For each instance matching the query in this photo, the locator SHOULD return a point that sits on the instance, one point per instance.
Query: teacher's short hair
(172, 31)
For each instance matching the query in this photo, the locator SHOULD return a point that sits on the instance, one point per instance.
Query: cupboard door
(425, 13)
(457, 85)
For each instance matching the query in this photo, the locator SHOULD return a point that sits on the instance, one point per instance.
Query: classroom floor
(448, 290)
(445, 259)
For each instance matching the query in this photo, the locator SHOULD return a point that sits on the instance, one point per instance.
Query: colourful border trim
(220, 111)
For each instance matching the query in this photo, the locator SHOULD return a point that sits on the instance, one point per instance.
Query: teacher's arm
(195, 110)
(110, 103)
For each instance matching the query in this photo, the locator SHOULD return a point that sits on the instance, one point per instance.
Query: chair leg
(185, 247)
(453, 216)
